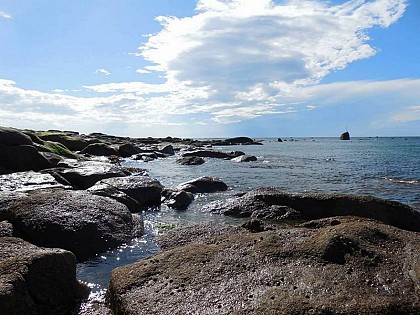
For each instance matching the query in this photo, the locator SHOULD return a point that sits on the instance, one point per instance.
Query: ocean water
(382, 167)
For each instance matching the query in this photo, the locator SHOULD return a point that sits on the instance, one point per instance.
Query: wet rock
(85, 174)
(317, 206)
(244, 158)
(100, 149)
(177, 199)
(203, 184)
(285, 271)
(143, 189)
(106, 190)
(25, 181)
(190, 160)
(36, 280)
(22, 158)
(13, 137)
(214, 154)
(256, 226)
(73, 220)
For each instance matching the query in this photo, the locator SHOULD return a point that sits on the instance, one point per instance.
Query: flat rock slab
(73, 220)
(274, 203)
(83, 175)
(25, 181)
(36, 280)
(355, 266)
(214, 154)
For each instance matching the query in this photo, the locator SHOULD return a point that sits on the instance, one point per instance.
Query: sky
(211, 68)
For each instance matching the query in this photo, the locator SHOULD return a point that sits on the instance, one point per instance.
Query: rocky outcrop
(351, 266)
(21, 158)
(244, 158)
(345, 136)
(214, 154)
(203, 184)
(13, 137)
(100, 149)
(36, 280)
(240, 140)
(177, 199)
(146, 191)
(73, 220)
(276, 203)
(190, 160)
(72, 141)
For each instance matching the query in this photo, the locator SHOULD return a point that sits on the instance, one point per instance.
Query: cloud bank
(235, 60)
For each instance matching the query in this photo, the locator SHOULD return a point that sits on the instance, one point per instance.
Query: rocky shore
(64, 197)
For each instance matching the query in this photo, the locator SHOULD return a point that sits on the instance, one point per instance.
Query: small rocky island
(64, 198)
(345, 136)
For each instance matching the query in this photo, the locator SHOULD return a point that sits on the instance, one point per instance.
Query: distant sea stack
(345, 136)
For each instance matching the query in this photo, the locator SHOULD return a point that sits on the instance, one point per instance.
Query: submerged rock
(316, 206)
(356, 267)
(36, 280)
(203, 184)
(214, 154)
(244, 158)
(73, 220)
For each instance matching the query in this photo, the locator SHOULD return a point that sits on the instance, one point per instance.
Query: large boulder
(13, 137)
(214, 154)
(345, 136)
(100, 149)
(73, 220)
(275, 203)
(82, 175)
(144, 189)
(177, 199)
(21, 158)
(128, 149)
(37, 280)
(203, 184)
(353, 266)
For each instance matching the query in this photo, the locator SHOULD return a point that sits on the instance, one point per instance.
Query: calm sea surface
(383, 167)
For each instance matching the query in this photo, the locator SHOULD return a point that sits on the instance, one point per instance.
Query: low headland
(65, 197)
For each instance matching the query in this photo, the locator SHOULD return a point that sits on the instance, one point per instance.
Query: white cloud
(235, 60)
(5, 15)
(143, 71)
(102, 71)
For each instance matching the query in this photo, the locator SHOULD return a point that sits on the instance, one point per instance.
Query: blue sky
(211, 68)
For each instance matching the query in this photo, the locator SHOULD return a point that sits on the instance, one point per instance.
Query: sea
(383, 167)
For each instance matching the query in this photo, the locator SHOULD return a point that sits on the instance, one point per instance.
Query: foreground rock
(271, 203)
(36, 280)
(349, 266)
(203, 184)
(73, 220)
